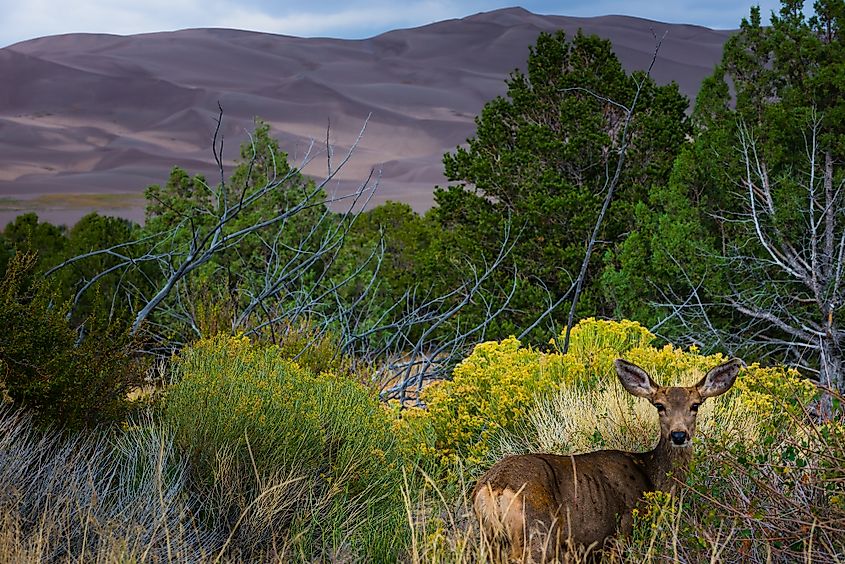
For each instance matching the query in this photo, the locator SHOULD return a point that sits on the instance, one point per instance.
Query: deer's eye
(660, 407)
(694, 407)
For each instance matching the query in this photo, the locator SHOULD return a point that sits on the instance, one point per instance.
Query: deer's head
(677, 406)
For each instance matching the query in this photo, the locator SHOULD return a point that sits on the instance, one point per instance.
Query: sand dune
(84, 113)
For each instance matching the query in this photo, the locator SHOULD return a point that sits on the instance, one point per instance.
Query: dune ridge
(97, 114)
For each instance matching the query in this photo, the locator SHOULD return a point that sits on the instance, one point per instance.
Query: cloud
(357, 21)
(355, 18)
(36, 18)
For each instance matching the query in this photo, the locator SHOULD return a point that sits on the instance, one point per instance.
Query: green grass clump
(285, 455)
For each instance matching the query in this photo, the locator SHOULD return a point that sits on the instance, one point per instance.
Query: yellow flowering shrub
(414, 431)
(594, 343)
(773, 390)
(313, 348)
(673, 366)
(492, 390)
(275, 418)
(489, 390)
(496, 390)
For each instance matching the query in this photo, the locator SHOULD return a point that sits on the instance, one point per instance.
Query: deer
(534, 507)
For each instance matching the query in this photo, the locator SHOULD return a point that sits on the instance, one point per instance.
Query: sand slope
(87, 113)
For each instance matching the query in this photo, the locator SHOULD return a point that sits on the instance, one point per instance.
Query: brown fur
(543, 506)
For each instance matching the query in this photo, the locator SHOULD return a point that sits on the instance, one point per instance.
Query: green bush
(323, 439)
(45, 364)
(313, 349)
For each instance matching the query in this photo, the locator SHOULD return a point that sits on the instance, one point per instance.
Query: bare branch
(610, 186)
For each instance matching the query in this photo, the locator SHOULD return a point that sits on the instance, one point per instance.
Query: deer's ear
(634, 379)
(720, 379)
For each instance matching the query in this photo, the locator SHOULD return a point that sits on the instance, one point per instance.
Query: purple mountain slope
(106, 115)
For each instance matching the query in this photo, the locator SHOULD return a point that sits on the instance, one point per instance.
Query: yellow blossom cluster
(768, 391)
(489, 390)
(493, 390)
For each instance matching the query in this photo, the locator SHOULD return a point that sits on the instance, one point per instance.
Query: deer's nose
(679, 437)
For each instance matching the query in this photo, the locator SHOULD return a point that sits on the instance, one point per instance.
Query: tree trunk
(832, 364)
(829, 216)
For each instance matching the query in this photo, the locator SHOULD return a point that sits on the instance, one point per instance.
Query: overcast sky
(351, 19)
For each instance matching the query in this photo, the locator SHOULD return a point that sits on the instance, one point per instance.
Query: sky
(347, 19)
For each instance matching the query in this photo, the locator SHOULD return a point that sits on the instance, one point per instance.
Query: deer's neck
(667, 463)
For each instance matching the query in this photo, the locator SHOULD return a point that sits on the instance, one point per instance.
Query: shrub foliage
(324, 439)
(46, 366)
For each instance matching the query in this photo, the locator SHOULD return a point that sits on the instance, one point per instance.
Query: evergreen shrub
(74, 377)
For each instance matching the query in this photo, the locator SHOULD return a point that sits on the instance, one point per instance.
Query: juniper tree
(541, 159)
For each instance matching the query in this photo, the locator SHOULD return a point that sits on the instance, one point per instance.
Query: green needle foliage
(46, 366)
(541, 160)
(743, 247)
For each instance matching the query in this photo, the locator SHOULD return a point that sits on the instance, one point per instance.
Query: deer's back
(586, 497)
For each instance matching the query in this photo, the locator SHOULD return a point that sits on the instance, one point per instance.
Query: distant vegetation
(252, 376)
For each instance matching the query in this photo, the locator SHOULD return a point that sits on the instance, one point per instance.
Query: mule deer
(544, 504)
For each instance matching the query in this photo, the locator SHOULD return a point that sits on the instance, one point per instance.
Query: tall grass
(582, 418)
(94, 497)
(131, 496)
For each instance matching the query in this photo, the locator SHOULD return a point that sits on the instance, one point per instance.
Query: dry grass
(72, 201)
(90, 498)
(127, 496)
(581, 419)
